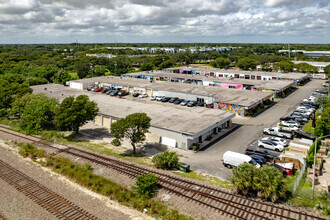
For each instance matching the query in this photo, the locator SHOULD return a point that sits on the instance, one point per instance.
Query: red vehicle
(98, 90)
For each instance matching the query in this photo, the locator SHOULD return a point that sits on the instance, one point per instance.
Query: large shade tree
(73, 113)
(133, 127)
(36, 112)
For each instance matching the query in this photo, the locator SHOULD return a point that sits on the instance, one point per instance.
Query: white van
(232, 159)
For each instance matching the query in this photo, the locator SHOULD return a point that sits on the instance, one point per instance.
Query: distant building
(308, 53)
(98, 55)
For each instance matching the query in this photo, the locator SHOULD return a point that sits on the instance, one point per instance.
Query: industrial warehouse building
(273, 86)
(249, 75)
(233, 100)
(173, 126)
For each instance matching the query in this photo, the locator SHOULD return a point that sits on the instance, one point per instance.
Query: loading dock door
(169, 142)
(76, 85)
(149, 92)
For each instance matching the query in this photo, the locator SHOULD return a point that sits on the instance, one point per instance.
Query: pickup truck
(277, 132)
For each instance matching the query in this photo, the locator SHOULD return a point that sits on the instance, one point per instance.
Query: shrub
(266, 182)
(51, 135)
(146, 184)
(166, 160)
(115, 142)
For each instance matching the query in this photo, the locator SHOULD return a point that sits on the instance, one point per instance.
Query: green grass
(99, 148)
(12, 123)
(308, 127)
(210, 179)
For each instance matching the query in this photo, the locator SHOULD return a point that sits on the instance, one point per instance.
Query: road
(209, 161)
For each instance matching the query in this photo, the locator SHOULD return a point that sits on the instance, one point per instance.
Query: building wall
(239, 110)
(156, 135)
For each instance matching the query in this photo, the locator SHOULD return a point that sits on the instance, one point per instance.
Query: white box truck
(232, 159)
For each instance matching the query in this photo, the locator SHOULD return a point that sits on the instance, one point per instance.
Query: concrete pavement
(209, 161)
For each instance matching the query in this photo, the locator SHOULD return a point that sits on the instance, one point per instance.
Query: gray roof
(223, 95)
(260, 84)
(296, 76)
(176, 118)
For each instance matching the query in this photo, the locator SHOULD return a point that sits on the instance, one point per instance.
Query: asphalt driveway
(209, 160)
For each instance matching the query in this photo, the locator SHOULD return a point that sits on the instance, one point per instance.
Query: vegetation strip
(84, 176)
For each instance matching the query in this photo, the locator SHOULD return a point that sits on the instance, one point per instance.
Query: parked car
(302, 112)
(159, 98)
(108, 92)
(98, 90)
(276, 131)
(166, 99)
(104, 90)
(290, 123)
(294, 118)
(178, 101)
(136, 94)
(122, 93)
(210, 105)
(261, 152)
(326, 84)
(288, 127)
(192, 103)
(232, 159)
(184, 103)
(310, 103)
(259, 159)
(153, 98)
(173, 99)
(200, 104)
(89, 88)
(276, 140)
(114, 93)
(93, 89)
(143, 95)
(270, 145)
(305, 108)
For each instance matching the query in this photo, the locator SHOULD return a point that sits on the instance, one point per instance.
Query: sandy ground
(96, 204)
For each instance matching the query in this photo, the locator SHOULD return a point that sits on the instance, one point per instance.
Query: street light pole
(313, 185)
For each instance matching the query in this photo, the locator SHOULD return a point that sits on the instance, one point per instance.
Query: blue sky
(177, 21)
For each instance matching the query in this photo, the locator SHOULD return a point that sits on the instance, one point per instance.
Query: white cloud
(164, 20)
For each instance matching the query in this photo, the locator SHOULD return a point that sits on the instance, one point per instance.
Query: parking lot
(209, 160)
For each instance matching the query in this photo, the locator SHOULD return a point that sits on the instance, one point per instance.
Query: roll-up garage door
(169, 141)
(76, 85)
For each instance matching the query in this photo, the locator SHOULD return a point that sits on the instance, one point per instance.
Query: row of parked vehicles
(292, 123)
(109, 91)
(182, 102)
(264, 151)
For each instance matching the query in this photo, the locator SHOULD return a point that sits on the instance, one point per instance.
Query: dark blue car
(259, 159)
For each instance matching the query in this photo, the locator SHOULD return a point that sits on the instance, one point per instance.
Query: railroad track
(52, 202)
(229, 204)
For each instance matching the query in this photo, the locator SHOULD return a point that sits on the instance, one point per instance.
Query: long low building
(234, 100)
(172, 126)
(250, 75)
(273, 86)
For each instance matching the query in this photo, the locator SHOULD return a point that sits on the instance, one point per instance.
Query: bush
(166, 160)
(146, 185)
(266, 182)
(115, 142)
